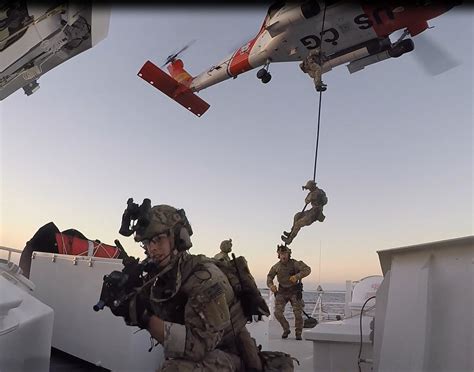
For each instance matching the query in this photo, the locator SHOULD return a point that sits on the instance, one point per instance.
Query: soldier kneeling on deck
(190, 307)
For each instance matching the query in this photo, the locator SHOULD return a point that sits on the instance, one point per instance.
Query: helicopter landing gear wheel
(261, 73)
(266, 78)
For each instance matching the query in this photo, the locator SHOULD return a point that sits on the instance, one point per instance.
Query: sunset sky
(395, 152)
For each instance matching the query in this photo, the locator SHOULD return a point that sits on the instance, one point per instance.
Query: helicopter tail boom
(177, 90)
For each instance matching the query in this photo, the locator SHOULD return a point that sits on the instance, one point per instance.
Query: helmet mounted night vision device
(138, 213)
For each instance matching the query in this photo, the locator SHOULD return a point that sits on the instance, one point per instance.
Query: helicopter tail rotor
(175, 55)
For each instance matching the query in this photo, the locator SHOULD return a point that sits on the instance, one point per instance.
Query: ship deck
(267, 333)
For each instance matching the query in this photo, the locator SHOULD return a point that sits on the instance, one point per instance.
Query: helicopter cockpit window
(274, 8)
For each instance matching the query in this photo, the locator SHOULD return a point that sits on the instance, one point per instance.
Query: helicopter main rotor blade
(433, 58)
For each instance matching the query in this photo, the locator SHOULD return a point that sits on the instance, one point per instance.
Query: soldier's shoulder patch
(202, 273)
(214, 291)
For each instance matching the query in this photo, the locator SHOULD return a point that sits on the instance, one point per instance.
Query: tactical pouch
(299, 291)
(277, 361)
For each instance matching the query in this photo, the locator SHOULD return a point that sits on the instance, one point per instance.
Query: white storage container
(71, 285)
(26, 324)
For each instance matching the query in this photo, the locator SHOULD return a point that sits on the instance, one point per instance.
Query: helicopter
(348, 32)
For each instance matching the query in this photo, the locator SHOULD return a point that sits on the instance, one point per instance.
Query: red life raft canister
(75, 246)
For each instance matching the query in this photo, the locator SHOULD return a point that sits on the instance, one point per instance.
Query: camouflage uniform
(288, 291)
(317, 198)
(226, 248)
(312, 65)
(204, 322)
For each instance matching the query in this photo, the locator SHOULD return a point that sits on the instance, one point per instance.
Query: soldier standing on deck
(289, 273)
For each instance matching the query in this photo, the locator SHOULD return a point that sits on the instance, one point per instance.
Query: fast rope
(319, 108)
(320, 99)
(320, 102)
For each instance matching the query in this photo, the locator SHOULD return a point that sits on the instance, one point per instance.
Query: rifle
(119, 286)
(123, 252)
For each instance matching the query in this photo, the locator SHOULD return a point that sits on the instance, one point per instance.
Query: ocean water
(332, 303)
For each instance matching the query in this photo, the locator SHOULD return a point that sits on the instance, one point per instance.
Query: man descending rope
(318, 199)
(312, 65)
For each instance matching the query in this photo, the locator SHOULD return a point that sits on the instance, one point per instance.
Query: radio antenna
(319, 274)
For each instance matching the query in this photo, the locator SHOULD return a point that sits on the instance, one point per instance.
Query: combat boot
(321, 87)
(298, 336)
(285, 333)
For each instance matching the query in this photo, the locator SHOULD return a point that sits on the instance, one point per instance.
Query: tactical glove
(274, 288)
(293, 279)
(134, 311)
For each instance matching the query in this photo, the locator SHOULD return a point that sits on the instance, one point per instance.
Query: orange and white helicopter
(350, 32)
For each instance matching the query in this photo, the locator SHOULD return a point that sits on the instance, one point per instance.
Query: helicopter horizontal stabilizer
(173, 89)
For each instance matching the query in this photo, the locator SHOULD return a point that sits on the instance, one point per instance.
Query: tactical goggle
(145, 243)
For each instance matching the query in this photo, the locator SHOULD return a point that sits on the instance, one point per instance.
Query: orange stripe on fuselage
(240, 60)
(177, 72)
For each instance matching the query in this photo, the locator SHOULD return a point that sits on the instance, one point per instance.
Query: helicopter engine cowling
(292, 14)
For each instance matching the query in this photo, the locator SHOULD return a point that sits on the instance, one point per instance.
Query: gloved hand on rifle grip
(134, 310)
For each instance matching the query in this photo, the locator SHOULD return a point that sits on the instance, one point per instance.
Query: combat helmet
(160, 219)
(309, 185)
(167, 219)
(226, 246)
(147, 222)
(283, 248)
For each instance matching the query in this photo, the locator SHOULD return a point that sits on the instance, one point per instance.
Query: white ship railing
(319, 305)
(318, 308)
(9, 252)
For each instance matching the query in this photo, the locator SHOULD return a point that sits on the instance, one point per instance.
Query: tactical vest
(284, 272)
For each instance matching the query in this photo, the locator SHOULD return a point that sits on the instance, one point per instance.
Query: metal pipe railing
(10, 251)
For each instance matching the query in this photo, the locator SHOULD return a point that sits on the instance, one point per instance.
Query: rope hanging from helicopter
(320, 100)
(316, 213)
(319, 106)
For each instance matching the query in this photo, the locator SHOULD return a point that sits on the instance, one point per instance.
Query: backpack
(322, 198)
(244, 286)
(277, 361)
